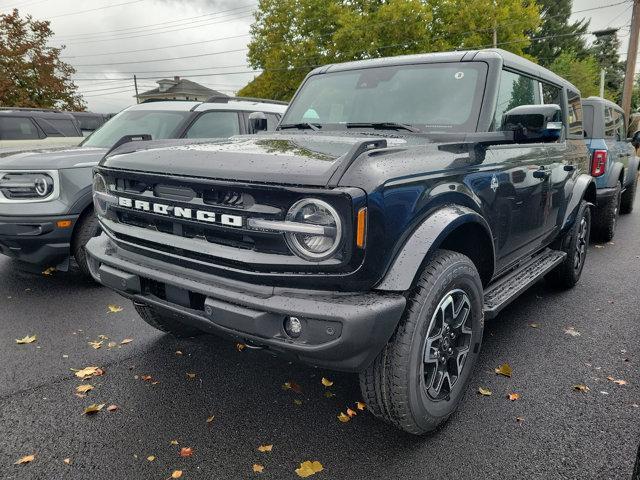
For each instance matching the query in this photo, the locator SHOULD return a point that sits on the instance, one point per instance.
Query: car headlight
(26, 186)
(325, 240)
(101, 196)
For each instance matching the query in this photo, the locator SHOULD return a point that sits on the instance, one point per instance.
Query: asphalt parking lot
(551, 431)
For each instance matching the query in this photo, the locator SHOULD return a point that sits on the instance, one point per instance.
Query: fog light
(293, 327)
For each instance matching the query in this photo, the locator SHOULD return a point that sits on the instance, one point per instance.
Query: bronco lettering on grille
(182, 212)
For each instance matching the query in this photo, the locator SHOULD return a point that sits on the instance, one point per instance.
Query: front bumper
(341, 330)
(37, 240)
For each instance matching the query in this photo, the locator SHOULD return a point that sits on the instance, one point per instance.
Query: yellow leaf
(504, 370)
(67, 461)
(84, 388)
(103, 337)
(25, 340)
(343, 418)
(176, 474)
(112, 408)
(25, 459)
(329, 394)
(210, 419)
(257, 468)
(173, 442)
(309, 468)
(351, 413)
(240, 346)
(114, 308)
(297, 402)
(151, 458)
(534, 325)
(88, 372)
(360, 405)
(191, 375)
(581, 388)
(94, 408)
(617, 382)
(265, 448)
(513, 396)
(484, 391)
(49, 271)
(112, 345)
(126, 340)
(326, 382)
(96, 344)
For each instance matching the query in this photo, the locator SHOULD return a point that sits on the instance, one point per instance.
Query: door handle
(569, 168)
(541, 173)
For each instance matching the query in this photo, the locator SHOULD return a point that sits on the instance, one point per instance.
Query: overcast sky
(99, 41)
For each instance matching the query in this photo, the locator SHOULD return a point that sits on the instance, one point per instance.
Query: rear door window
(63, 127)
(215, 125)
(575, 114)
(609, 123)
(18, 128)
(618, 118)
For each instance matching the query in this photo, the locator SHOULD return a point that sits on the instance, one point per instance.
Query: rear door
(624, 149)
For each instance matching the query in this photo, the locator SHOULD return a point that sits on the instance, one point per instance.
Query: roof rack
(225, 99)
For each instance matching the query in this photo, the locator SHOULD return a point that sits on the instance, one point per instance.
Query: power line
(161, 59)
(172, 70)
(95, 9)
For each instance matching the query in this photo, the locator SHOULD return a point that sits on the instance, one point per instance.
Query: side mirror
(534, 123)
(635, 140)
(257, 122)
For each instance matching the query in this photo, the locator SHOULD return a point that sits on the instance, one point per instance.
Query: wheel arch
(583, 189)
(449, 227)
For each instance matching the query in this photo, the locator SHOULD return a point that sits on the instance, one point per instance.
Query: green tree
(605, 49)
(557, 33)
(290, 37)
(31, 73)
(583, 73)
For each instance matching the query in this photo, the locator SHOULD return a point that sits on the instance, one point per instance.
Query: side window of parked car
(17, 128)
(62, 127)
(618, 118)
(515, 90)
(575, 114)
(609, 123)
(215, 125)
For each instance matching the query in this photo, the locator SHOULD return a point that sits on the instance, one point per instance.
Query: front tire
(165, 322)
(606, 217)
(86, 228)
(574, 242)
(420, 376)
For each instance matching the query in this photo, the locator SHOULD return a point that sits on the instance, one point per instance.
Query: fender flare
(580, 188)
(614, 175)
(425, 239)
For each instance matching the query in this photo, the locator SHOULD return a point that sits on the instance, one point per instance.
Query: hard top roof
(186, 106)
(595, 100)
(509, 60)
(40, 113)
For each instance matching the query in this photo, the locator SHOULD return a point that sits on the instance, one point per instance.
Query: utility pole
(632, 54)
(602, 78)
(135, 83)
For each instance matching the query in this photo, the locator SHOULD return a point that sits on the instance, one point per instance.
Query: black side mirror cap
(257, 122)
(534, 123)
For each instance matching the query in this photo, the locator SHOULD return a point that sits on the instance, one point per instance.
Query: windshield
(442, 97)
(157, 123)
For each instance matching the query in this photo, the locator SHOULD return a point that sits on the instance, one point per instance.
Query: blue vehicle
(614, 164)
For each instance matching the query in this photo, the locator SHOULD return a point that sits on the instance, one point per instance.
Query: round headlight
(43, 185)
(100, 192)
(315, 246)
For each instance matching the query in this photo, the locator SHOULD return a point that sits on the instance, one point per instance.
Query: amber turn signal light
(362, 227)
(63, 223)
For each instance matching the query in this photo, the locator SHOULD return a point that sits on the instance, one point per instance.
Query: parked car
(90, 121)
(46, 210)
(23, 128)
(373, 232)
(613, 163)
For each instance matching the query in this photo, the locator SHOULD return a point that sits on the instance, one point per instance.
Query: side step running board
(508, 288)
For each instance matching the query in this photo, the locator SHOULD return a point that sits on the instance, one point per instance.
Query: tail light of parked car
(599, 163)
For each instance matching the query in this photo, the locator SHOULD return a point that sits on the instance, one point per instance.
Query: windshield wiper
(301, 126)
(384, 126)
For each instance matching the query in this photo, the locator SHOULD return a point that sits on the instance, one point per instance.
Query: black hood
(299, 159)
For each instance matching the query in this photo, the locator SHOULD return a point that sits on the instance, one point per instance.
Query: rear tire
(629, 196)
(605, 218)
(86, 228)
(165, 322)
(419, 378)
(574, 243)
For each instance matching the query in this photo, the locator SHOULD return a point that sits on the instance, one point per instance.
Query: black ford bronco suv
(399, 203)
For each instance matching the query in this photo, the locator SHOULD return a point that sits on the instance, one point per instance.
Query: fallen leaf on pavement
(240, 346)
(151, 458)
(513, 396)
(265, 448)
(173, 442)
(572, 331)
(599, 246)
(176, 474)
(297, 402)
(88, 372)
(102, 337)
(504, 370)
(93, 408)
(84, 388)
(351, 413)
(484, 391)
(178, 352)
(67, 461)
(126, 340)
(49, 271)
(114, 308)
(309, 468)
(581, 388)
(534, 325)
(257, 468)
(292, 386)
(361, 405)
(210, 419)
(25, 459)
(617, 382)
(329, 394)
(186, 452)
(25, 340)
(112, 345)
(191, 375)
(112, 408)
(519, 419)
(97, 344)
(326, 382)
(343, 417)
(146, 378)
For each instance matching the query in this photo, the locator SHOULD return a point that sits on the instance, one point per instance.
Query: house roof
(180, 86)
